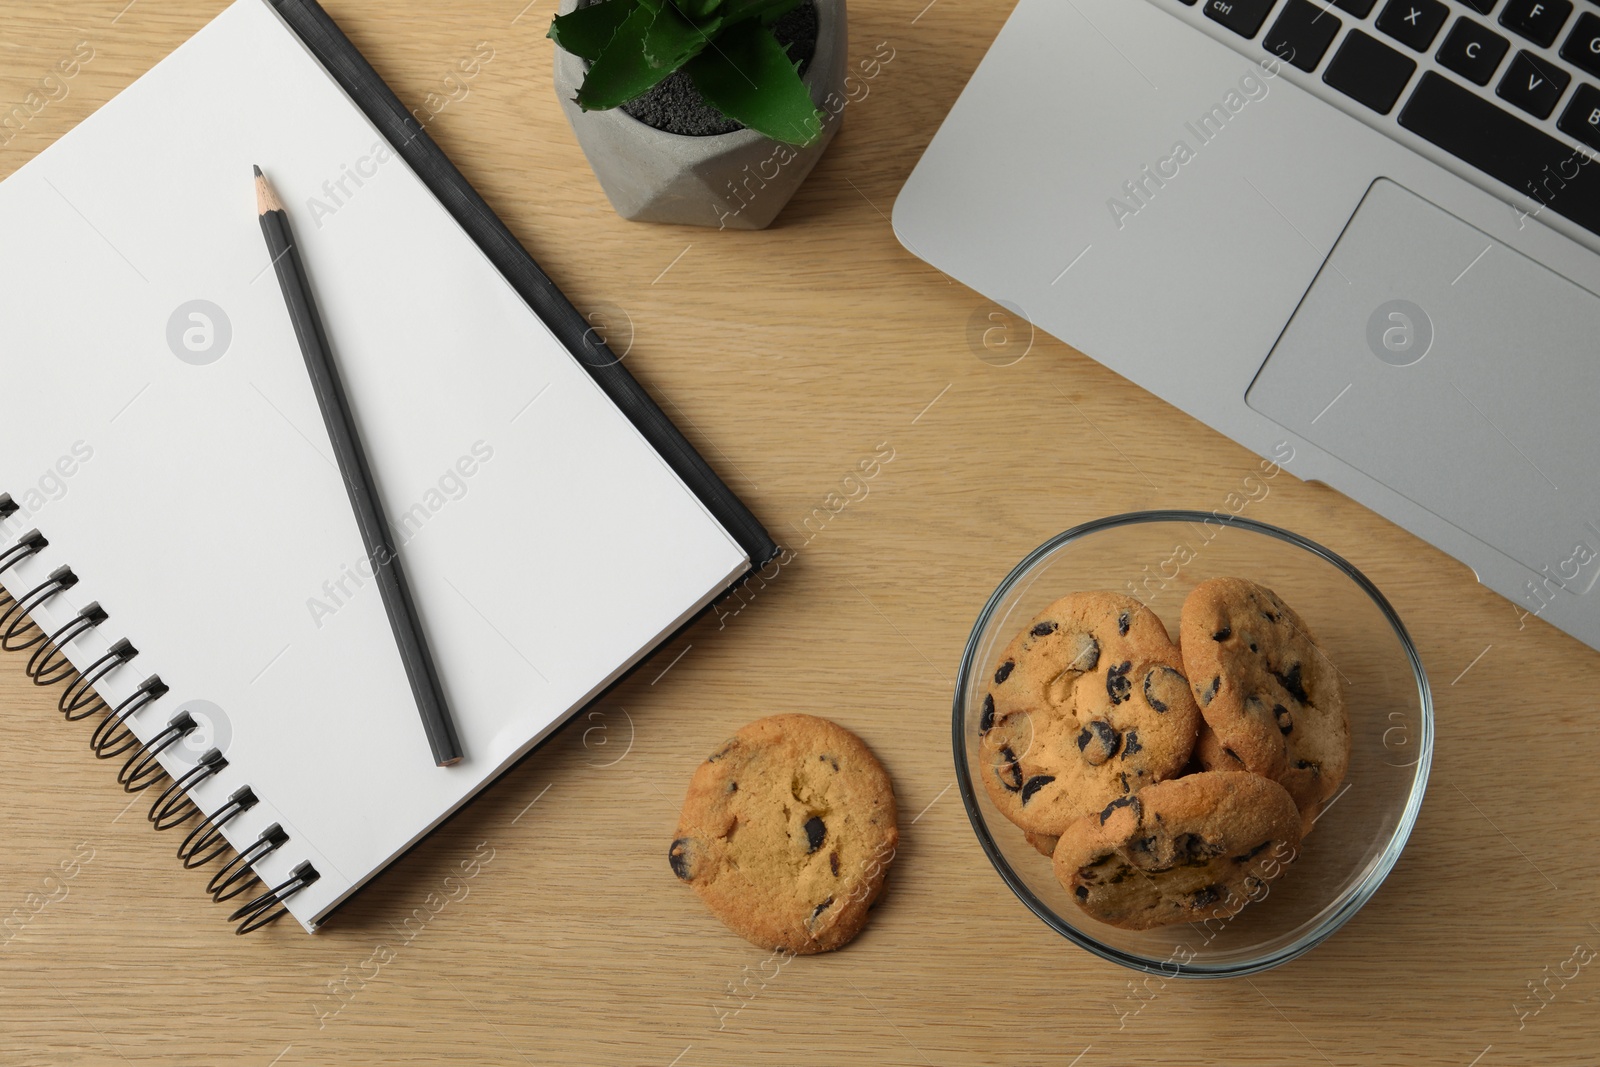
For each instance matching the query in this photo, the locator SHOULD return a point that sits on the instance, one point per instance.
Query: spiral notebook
(179, 552)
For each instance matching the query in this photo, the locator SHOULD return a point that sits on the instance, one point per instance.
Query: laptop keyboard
(1508, 87)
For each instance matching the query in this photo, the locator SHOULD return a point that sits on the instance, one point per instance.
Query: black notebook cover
(356, 76)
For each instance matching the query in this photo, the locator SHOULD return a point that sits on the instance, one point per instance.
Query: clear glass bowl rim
(1354, 900)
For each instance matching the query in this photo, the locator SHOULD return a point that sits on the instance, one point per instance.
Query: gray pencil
(375, 533)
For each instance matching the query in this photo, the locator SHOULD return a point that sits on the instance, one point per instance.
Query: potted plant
(708, 112)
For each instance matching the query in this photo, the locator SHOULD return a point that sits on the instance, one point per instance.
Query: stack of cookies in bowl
(1168, 782)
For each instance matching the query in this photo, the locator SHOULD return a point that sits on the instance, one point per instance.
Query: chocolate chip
(1210, 692)
(1118, 688)
(833, 863)
(733, 787)
(1162, 686)
(1270, 616)
(1192, 850)
(1285, 720)
(819, 909)
(1253, 647)
(1290, 680)
(1004, 671)
(1145, 845)
(816, 830)
(1123, 802)
(679, 856)
(1122, 624)
(1124, 777)
(986, 723)
(1085, 655)
(1043, 629)
(1206, 896)
(1034, 784)
(1248, 856)
(1223, 634)
(1130, 744)
(1098, 741)
(1082, 892)
(1009, 772)
(830, 761)
(1308, 765)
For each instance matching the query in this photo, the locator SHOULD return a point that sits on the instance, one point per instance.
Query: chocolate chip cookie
(1267, 691)
(1044, 844)
(787, 833)
(1197, 847)
(1087, 704)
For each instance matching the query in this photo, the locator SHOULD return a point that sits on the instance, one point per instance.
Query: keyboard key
(1482, 7)
(1414, 23)
(1583, 47)
(1302, 34)
(1582, 117)
(1369, 71)
(1243, 17)
(1533, 84)
(1359, 8)
(1542, 170)
(1473, 51)
(1537, 20)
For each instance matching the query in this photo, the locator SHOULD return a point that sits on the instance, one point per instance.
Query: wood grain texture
(788, 356)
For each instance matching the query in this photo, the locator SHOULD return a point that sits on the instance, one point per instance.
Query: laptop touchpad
(1456, 371)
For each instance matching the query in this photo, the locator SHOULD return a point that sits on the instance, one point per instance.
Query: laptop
(1359, 237)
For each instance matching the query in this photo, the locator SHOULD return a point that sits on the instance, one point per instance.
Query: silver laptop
(1360, 237)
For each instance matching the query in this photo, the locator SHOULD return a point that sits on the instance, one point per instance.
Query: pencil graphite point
(266, 199)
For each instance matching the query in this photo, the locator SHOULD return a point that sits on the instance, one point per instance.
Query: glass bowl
(1159, 556)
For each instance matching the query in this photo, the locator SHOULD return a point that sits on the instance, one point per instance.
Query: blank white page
(548, 546)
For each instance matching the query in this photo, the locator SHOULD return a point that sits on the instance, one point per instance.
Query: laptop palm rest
(1458, 373)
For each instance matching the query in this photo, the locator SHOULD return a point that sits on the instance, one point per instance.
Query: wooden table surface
(788, 357)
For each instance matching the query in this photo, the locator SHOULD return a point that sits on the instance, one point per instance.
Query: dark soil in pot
(676, 106)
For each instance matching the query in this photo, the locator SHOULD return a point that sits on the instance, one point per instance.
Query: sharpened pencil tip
(266, 199)
(257, 170)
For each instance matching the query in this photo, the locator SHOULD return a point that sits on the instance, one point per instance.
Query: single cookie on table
(1268, 692)
(1087, 705)
(787, 833)
(1193, 848)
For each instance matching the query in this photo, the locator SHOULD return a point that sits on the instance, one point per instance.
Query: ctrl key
(1243, 17)
(1582, 117)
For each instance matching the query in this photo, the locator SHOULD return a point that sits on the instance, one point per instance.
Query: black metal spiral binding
(48, 664)
(238, 874)
(143, 769)
(255, 914)
(205, 842)
(27, 545)
(173, 807)
(18, 631)
(79, 700)
(112, 737)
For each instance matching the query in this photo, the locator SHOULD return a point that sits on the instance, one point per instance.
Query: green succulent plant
(726, 47)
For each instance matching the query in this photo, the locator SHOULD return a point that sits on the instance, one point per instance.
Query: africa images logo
(1400, 333)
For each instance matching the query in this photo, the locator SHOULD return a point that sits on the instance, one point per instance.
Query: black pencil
(357, 475)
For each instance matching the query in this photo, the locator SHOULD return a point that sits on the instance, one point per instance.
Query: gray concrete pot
(738, 180)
